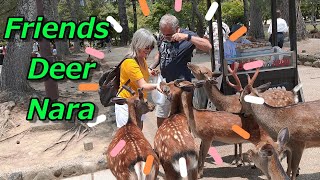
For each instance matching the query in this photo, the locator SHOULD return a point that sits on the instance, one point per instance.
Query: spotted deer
(209, 125)
(231, 103)
(173, 141)
(302, 120)
(266, 156)
(130, 161)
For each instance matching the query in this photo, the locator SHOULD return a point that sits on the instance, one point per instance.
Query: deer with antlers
(174, 141)
(231, 103)
(129, 162)
(265, 156)
(302, 119)
(208, 125)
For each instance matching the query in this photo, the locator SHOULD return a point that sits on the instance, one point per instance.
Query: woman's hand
(158, 88)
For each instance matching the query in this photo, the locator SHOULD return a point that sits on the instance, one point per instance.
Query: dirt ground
(26, 150)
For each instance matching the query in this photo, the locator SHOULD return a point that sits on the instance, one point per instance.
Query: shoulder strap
(122, 87)
(119, 77)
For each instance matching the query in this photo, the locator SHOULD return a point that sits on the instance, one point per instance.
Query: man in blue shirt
(230, 46)
(175, 51)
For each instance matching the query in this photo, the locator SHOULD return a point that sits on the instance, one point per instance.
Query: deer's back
(302, 119)
(278, 97)
(173, 137)
(136, 149)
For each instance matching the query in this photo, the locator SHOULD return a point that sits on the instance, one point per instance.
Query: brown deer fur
(231, 103)
(265, 156)
(210, 125)
(302, 120)
(173, 140)
(132, 157)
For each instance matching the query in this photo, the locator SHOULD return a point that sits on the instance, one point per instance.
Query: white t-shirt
(54, 52)
(35, 47)
(281, 26)
(225, 31)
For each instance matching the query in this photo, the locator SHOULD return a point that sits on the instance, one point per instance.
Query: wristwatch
(189, 37)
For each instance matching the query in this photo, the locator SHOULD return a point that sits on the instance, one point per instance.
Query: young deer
(209, 125)
(302, 119)
(265, 156)
(129, 162)
(173, 141)
(231, 103)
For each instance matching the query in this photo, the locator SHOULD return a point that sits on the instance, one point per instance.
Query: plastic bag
(157, 97)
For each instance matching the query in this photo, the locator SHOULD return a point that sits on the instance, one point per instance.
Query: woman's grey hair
(141, 39)
(169, 20)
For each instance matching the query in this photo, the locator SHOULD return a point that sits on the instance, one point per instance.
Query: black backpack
(109, 85)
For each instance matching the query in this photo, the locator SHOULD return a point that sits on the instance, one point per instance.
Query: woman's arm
(156, 61)
(147, 86)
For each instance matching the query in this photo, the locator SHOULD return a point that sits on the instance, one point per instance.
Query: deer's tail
(138, 171)
(191, 158)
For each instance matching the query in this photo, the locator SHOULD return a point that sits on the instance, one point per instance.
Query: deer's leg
(204, 148)
(296, 157)
(193, 174)
(241, 155)
(235, 161)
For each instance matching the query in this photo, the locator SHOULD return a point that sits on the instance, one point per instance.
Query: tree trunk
(256, 24)
(200, 27)
(246, 12)
(134, 7)
(301, 26)
(74, 17)
(76, 41)
(124, 36)
(61, 45)
(192, 19)
(17, 59)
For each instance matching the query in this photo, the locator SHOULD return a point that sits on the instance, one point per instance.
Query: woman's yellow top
(130, 69)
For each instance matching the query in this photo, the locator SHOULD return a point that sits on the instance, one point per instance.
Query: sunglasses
(149, 47)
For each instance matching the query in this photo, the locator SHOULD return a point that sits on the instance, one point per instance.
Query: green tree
(14, 84)
(233, 12)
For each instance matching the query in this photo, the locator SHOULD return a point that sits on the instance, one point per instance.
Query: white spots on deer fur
(175, 137)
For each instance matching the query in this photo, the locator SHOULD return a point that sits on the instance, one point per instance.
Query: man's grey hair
(140, 40)
(169, 20)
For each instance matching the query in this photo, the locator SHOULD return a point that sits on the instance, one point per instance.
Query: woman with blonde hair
(134, 71)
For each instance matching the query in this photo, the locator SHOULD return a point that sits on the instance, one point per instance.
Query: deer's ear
(283, 137)
(199, 84)
(119, 100)
(140, 91)
(262, 88)
(266, 150)
(136, 102)
(188, 87)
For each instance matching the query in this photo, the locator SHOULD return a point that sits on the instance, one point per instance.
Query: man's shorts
(163, 111)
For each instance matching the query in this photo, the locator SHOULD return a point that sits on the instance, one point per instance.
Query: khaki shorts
(163, 111)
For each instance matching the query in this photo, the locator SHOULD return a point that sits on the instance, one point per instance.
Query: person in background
(108, 42)
(282, 28)
(175, 48)
(1, 60)
(36, 48)
(230, 46)
(225, 31)
(135, 73)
